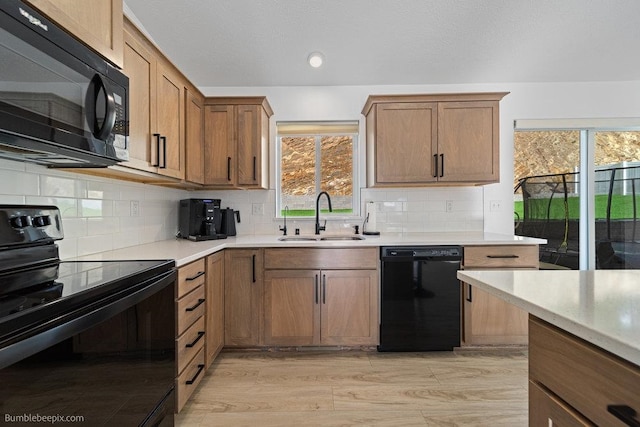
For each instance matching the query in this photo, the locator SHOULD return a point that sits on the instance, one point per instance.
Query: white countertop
(185, 251)
(601, 307)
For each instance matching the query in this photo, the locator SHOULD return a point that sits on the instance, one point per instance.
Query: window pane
(337, 171)
(298, 169)
(547, 203)
(617, 199)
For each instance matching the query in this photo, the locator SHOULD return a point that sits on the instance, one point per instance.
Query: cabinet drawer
(190, 277)
(189, 379)
(190, 307)
(321, 258)
(189, 343)
(581, 374)
(501, 256)
(547, 410)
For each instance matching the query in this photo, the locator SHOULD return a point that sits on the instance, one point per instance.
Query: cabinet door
(219, 146)
(349, 307)
(215, 306)
(169, 118)
(292, 309)
(243, 311)
(490, 320)
(251, 144)
(98, 26)
(140, 67)
(194, 144)
(406, 135)
(468, 141)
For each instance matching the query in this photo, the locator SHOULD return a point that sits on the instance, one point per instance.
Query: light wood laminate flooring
(362, 388)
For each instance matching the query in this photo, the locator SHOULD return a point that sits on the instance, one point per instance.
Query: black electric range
(71, 329)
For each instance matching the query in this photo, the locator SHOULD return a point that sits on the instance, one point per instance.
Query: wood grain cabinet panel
(333, 305)
(157, 108)
(417, 140)
(215, 306)
(98, 26)
(488, 320)
(190, 327)
(243, 297)
(236, 142)
(583, 376)
(194, 137)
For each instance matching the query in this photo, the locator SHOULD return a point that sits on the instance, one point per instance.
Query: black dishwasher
(420, 308)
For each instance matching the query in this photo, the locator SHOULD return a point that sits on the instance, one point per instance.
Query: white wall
(526, 101)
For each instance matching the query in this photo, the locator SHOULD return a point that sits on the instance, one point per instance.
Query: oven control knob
(41, 221)
(20, 221)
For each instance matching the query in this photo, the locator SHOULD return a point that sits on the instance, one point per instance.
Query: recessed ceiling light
(315, 59)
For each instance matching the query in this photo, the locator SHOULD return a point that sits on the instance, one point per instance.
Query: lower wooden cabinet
(191, 332)
(243, 294)
(310, 306)
(545, 409)
(487, 320)
(321, 307)
(215, 306)
(491, 321)
(569, 376)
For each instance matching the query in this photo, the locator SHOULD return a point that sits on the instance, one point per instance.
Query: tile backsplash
(396, 210)
(102, 214)
(98, 214)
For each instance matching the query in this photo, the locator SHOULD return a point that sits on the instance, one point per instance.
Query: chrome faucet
(284, 229)
(318, 226)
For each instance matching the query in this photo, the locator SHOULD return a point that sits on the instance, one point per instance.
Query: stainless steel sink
(342, 238)
(296, 239)
(317, 238)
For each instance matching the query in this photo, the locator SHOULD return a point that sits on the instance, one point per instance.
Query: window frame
(355, 197)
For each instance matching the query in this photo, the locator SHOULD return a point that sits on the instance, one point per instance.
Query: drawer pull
(200, 274)
(200, 301)
(195, 377)
(625, 414)
(200, 335)
(503, 256)
(469, 296)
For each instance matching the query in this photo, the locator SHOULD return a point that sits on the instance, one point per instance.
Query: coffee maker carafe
(200, 219)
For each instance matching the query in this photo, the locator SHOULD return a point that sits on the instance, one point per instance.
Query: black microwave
(61, 104)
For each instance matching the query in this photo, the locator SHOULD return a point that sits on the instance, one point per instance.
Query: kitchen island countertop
(601, 306)
(185, 251)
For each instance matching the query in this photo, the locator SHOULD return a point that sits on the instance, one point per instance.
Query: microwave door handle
(98, 83)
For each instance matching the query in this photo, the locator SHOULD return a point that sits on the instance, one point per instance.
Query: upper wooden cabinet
(194, 144)
(156, 108)
(98, 25)
(236, 142)
(415, 140)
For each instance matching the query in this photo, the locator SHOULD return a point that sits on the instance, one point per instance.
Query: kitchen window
(314, 157)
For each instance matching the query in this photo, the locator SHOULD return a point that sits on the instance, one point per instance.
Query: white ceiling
(381, 42)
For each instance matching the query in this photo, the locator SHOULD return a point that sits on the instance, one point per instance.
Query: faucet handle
(323, 227)
(284, 230)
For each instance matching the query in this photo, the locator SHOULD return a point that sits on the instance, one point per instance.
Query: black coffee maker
(200, 219)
